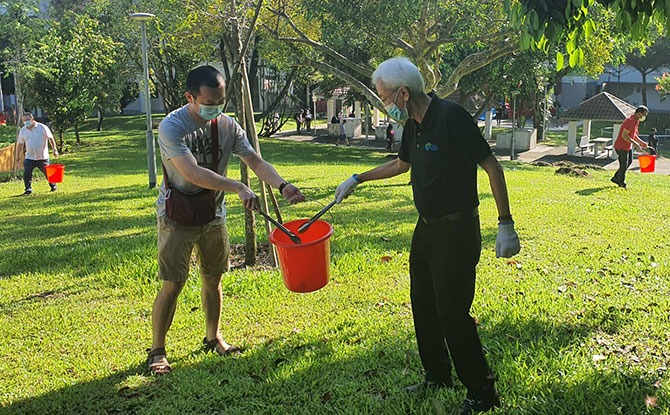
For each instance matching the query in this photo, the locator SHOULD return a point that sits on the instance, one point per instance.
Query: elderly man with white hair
(443, 147)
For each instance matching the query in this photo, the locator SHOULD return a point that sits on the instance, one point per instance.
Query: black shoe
(428, 385)
(27, 193)
(622, 184)
(53, 189)
(615, 181)
(476, 406)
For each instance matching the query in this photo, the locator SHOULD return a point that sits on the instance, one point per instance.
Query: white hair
(397, 72)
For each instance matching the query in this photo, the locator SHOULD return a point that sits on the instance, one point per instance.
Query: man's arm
(633, 138)
(384, 171)
(498, 186)
(188, 167)
(53, 145)
(507, 241)
(389, 169)
(268, 174)
(18, 152)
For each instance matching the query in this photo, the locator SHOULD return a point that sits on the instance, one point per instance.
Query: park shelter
(600, 107)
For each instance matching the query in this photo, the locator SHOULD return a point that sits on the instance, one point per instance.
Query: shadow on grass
(589, 192)
(77, 241)
(295, 375)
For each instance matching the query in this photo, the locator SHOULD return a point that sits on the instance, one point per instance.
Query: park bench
(585, 144)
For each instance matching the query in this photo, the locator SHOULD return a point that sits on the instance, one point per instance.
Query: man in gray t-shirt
(184, 137)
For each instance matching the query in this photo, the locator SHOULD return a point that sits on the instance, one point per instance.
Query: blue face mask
(28, 123)
(209, 112)
(401, 116)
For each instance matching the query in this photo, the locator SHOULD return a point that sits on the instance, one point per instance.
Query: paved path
(541, 153)
(553, 154)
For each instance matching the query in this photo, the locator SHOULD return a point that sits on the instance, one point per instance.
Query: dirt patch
(263, 256)
(572, 171)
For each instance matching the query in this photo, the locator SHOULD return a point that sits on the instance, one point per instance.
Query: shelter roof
(601, 107)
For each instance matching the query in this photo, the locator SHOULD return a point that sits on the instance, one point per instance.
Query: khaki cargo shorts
(176, 243)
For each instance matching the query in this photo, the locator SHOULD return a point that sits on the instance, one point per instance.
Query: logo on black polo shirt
(431, 147)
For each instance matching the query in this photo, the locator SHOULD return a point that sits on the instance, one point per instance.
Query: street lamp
(514, 94)
(151, 145)
(2, 97)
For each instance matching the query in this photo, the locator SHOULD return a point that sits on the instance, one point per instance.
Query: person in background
(307, 117)
(443, 147)
(652, 141)
(390, 136)
(34, 137)
(343, 134)
(626, 139)
(298, 121)
(185, 138)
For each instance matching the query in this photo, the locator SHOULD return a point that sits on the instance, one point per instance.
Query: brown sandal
(160, 367)
(211, 346)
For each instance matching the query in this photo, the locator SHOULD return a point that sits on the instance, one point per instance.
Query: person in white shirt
(34, 137)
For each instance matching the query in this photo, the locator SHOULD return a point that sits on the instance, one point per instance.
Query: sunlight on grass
(577, 323)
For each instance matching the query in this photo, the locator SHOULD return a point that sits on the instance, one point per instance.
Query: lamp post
(151, 145)
(511, 153)
(2, 97)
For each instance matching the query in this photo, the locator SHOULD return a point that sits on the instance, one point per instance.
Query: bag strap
(215, 147)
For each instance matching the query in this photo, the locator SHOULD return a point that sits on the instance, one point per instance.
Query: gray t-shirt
(180, 134)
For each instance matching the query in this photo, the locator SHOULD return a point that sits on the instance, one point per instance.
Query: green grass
(78, 278)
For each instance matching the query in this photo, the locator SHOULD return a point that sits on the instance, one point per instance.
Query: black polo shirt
(443, 151)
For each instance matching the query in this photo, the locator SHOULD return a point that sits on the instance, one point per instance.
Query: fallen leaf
(650, 401)
(598, 358)
(326, 397)
(385, 239)
(658, 384)
(386, 258)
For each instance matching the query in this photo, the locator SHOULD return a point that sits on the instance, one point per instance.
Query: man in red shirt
(625, 141)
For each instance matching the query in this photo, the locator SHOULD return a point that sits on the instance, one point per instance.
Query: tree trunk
(76, 132)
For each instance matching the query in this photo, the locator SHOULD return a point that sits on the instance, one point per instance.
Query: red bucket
(55, 173)
(647, 163)
(305, 266)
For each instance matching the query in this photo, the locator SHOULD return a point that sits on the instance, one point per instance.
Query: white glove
(507, 242)
(346, 188)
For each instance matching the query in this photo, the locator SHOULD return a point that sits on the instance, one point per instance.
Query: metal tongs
(306, 225)
(295, 238)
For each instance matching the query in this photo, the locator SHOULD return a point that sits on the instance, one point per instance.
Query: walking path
(541, 153)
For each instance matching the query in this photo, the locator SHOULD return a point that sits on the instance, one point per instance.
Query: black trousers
(28, 167)
(443, 259)
(625, 160)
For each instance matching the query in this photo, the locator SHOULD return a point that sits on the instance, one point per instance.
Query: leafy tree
(22, 29)
(648, 60)
(111, 85)
(547, 23)
(342, 39)
(69, 71)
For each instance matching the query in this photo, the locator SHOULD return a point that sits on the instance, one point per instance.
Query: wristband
(282, 186)
(505, 218)
(355, 176)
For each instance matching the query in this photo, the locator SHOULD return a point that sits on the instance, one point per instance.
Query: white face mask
(642, 118)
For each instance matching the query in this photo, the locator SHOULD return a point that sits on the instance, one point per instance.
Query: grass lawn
(577, 323)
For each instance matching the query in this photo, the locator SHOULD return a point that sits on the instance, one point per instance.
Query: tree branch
(474, 62)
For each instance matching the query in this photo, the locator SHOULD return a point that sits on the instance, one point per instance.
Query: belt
(452, 217)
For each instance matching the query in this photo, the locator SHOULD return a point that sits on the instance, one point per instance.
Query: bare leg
(212, 299)
(211, 305)
(162, 314)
